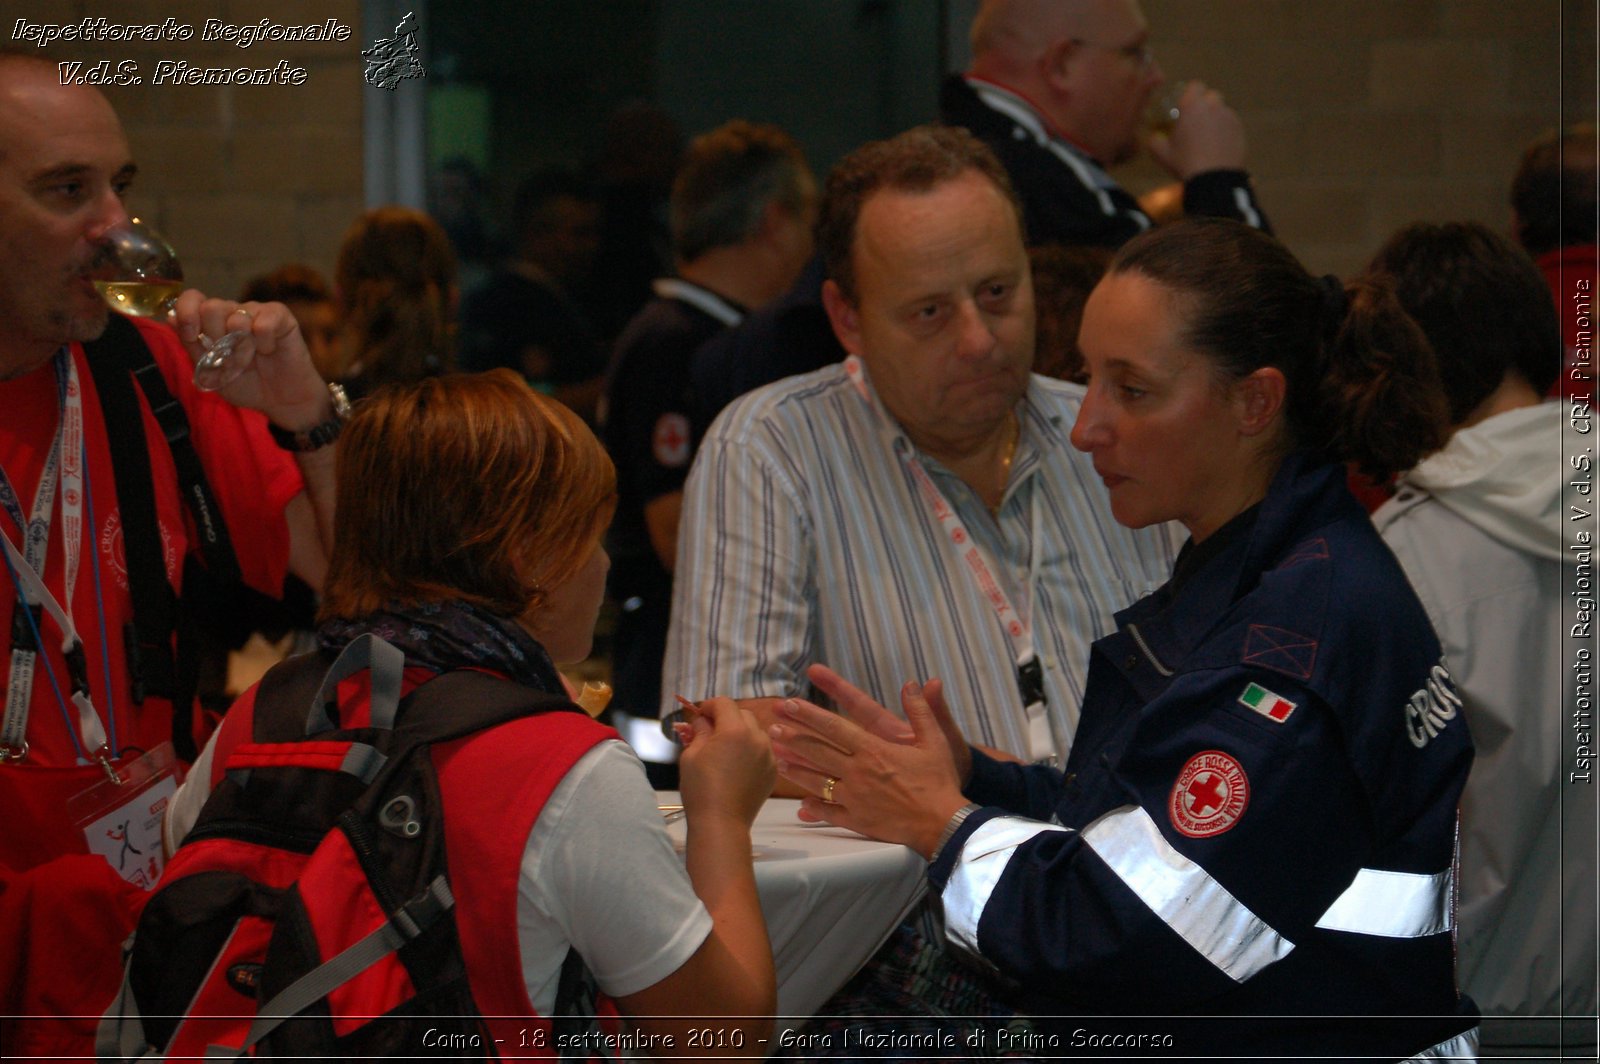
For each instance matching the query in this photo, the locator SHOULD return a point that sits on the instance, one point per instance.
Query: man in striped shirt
(916, 511)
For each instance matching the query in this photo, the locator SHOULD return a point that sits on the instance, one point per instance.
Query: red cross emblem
(670, 441)
(1209, 796)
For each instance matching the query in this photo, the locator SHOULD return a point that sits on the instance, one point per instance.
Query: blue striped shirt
(804, 539)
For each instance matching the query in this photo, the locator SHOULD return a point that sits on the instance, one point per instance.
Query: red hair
(466, 486)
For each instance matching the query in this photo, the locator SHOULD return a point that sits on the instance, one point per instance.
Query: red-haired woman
(470, 516)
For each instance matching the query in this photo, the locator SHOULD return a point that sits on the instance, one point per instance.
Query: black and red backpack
(309, 911)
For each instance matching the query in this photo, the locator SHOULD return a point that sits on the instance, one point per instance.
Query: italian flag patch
(1272, 706)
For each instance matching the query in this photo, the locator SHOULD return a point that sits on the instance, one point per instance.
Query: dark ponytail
(1379, 402)
(1363, 385)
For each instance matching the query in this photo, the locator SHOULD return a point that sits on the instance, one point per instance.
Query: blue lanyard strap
(68, 461)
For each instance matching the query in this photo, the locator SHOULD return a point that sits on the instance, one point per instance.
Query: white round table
(830, 898)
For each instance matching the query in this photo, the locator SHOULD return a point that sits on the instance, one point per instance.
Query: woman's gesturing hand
(872, 778)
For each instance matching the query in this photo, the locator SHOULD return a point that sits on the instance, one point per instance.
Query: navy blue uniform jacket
(1258, 815)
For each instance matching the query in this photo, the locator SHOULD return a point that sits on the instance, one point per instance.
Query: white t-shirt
(599, 874)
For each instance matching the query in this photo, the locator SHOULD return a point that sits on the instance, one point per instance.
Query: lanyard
(65, 464)
(1018, 624)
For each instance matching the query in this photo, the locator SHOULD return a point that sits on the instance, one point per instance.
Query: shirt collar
(1041, 431)
(1209, 578)
(700, 297)
(1024, 112)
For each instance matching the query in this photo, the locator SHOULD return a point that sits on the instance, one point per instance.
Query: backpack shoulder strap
(292, 701)
(463, 701)
(148, 637)
(116, 360)
(284, 696)
(122, 340)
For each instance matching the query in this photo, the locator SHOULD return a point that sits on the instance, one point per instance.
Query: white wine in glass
(143, 299)
(1162, 112)
(138, 273)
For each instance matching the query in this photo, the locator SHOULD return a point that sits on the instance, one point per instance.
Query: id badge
(122, 821)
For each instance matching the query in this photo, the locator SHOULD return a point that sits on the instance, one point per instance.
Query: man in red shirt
(73, 855)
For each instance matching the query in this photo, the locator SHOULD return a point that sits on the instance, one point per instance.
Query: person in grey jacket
(1478, 527)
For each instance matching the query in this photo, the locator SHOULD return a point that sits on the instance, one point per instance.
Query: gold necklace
(1005, 466)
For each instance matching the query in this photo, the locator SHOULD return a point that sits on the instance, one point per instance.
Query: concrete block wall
(241, 178)
(1364, 115)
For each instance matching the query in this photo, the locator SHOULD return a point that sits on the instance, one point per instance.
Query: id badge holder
(122, 821)
(1030, 684)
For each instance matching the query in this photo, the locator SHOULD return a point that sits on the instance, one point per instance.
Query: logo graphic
(1281, 650)
(1432, 707)
(1267, 703)
(390, 60)
(1209, 796)
(670, 441)
(116, 560)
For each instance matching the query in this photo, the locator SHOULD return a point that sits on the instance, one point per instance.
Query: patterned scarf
(451, 635)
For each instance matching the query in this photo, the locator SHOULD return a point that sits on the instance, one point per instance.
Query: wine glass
(138, 273)
(1161, 114)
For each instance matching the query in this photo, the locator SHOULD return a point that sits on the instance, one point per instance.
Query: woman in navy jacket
(1257, 817)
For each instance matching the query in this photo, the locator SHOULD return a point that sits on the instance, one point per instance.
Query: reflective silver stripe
(1241, 200)
(1393, 904)
(1463, 1046)
(978, 867)
(1184, 896)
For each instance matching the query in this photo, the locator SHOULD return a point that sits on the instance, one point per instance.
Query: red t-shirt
(1571, 273)
(252, 478)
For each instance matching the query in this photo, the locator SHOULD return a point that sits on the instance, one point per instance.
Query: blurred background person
(743, 208)
(640, 152)
(1554, 217)
(788, 336)
(457, 199)
(307, 295)
(529, 316)
(1063, 277)
(1060, 89)
(396, 285)
(1478, 529)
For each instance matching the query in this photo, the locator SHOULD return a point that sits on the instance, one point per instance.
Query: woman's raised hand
(727, 767)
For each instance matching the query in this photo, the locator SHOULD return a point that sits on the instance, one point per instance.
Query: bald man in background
(1060, 89)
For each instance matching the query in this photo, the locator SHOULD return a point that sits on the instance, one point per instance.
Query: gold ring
(828, 784)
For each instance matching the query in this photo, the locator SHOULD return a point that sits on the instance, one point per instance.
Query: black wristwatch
(317, 436)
